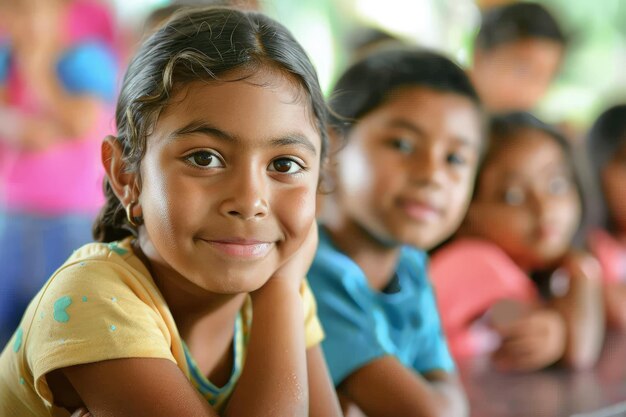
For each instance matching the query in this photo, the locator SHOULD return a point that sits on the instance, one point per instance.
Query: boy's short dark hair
(368, 82)
(515, 22)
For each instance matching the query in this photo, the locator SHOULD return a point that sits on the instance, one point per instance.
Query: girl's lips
(422, 212)
(243, 249)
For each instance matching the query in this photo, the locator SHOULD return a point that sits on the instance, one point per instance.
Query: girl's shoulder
(462, 252)
(475, 266)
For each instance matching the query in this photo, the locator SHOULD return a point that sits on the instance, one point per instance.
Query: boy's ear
(123, 183)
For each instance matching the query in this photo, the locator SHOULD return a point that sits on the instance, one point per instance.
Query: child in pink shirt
(510, 283)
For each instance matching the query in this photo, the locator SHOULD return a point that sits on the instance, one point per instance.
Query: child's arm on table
(570, 328)
(386, 388)
(322, 396)
(583, 310)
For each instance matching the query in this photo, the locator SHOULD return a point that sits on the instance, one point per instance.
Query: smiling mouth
(421, 212)
(243, 250)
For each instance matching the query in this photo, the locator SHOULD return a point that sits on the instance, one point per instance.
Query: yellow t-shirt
(102, 304)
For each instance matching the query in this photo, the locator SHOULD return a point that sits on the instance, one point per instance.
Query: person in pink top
(510, 283)
(607, 240)
(58, 75)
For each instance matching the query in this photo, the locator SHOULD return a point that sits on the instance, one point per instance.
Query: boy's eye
(514, 196)
(403, 145)
(285, 166)
(558, 186)
(204, 159)
(456, 159)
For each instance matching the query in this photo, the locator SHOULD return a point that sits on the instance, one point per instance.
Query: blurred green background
(592, 78)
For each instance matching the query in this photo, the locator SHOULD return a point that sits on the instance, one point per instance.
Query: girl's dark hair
(199, 44)
(517, 21)
(605, 138)
(370, 81)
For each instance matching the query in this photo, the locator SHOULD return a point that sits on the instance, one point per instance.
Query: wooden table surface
(555, 392)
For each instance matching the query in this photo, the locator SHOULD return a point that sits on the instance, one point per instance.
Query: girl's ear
(123, 183)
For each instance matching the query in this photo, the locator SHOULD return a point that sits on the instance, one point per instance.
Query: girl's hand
(296, 268)
(532, 342)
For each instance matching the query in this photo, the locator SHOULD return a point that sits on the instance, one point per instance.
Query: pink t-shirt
(469, 277)
(67, 177)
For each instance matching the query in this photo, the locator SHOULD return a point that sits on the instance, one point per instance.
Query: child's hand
(532, 342)
(582, 265)
(295, 269)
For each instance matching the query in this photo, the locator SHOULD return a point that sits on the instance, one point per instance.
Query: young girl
(520, 224)
(58, 74)
(411, 123)
(607, 151)
(193, 303)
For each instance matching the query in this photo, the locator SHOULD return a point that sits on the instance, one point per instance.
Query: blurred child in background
(607, 150)
(58, 75)
(519, 228)
(517, 54)
(407, 124)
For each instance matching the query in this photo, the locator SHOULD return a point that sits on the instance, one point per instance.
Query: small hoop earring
(134, 221)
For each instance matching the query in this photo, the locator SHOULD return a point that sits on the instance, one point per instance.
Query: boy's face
(228, 183)
(406, 173)
(526, 201)
(515, 76)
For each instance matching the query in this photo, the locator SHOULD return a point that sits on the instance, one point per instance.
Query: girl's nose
(246, 199)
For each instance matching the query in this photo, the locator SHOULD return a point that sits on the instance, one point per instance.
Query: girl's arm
(570, 329)
(385, 387)
(136, 388)
(274, 378)
(322, 396)
(583, 310)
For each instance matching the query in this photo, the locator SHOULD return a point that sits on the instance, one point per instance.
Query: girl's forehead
(262, 105)
(526, 152)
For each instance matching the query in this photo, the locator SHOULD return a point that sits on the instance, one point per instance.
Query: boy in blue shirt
(410, 123)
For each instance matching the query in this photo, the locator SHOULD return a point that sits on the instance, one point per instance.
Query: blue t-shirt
(85, 68)
(362, 324)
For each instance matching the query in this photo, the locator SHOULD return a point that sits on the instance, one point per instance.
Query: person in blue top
(408, 127)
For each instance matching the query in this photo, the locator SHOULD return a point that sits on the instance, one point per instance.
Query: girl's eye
(403, 145)
(456, 159)
(514, 196)
(285, 166)
(204, 159)
(558, 186)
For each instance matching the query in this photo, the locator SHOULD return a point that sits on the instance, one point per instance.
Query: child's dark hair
(605, 138)
(370, 81)
(199, 44)
(518, 21)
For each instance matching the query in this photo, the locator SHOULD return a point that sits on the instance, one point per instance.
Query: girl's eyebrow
(201, 127)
